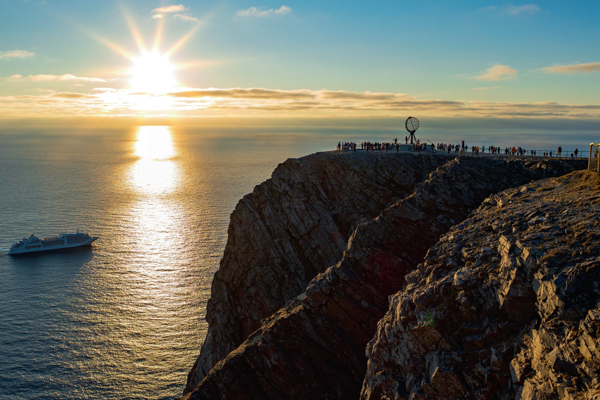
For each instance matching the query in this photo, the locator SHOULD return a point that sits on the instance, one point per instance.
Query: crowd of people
(453, 148)
(383, 146)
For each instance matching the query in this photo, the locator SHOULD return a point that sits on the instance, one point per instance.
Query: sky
(300, 59)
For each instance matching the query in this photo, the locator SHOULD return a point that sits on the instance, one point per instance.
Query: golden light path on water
(155, 281)
(155, 172)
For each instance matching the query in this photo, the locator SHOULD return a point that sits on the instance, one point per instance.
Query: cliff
(506, 304)
(292, 227)
(312, 338)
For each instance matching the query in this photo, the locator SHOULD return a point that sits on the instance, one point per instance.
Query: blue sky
(439, 58)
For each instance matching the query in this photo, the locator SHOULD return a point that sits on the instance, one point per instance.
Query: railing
(566, 153)
(594, 157)
(538, 153)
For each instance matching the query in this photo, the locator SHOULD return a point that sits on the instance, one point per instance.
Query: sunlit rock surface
(314, 347)
(505, 305)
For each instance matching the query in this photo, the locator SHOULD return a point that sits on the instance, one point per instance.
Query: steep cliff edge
(314, 347)
(506, 304)
(292, 227)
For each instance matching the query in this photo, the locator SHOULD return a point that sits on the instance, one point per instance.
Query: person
(406, 139)
(397, 146)
(559, 150)
(339, 146)
(576, 152)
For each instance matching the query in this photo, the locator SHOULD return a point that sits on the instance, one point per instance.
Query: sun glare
(155, 172)
(152, 73)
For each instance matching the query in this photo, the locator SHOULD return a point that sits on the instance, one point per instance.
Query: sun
(151, 79)
(152, 73)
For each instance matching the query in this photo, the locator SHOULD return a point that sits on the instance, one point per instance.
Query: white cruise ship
(33, 244)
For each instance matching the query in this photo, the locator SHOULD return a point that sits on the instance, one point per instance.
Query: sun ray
(196, 64)
(158, 35)
(133, 29)
(182, 41)
(113, 46)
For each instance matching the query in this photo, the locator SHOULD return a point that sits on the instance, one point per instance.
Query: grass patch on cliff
(430, 319)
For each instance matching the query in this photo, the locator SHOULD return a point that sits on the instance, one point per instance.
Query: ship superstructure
(33, 244)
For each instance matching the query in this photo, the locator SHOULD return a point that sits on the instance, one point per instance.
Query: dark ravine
(275, 333)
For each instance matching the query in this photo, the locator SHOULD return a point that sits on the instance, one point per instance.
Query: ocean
(124, 319)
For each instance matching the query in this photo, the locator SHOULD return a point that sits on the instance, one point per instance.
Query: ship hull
(46, 249)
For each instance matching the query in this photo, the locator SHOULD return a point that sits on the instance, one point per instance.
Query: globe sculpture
(412, 124)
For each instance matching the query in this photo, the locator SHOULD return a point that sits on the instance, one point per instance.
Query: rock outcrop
(505, 306)
(292, 227)
(314, 347)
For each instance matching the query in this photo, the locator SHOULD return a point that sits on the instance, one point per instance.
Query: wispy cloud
(497, 73)
(49, 78)
(343, 95)
(16, 54)
(255, 12)
(67, 95)
(241, 93)
(514, 10)
(526, 9)
(178, 9)
(573, 68)
(186, 17)
(276, 103)
(170, 9)
(486, 88)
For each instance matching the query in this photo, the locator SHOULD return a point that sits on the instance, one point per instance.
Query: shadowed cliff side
(506, 305)
(292, 227)
(314, 347)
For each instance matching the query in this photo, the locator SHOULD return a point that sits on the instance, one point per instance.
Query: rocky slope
(314, 346)
(506, 304)
(292, 227)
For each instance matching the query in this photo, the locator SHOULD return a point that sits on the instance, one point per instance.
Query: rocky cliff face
(292, 227)
(315, 345)
(506, 304)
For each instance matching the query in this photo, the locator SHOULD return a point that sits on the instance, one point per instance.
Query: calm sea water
(125, 319)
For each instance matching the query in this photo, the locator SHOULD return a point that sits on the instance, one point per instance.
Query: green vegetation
(430, 319)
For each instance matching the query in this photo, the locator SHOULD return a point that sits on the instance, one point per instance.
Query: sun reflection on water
(155, 279)
(156, 171)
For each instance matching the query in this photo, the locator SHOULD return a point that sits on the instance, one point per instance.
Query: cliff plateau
(275, 333)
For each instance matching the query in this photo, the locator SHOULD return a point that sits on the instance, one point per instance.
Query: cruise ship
(33, 244)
